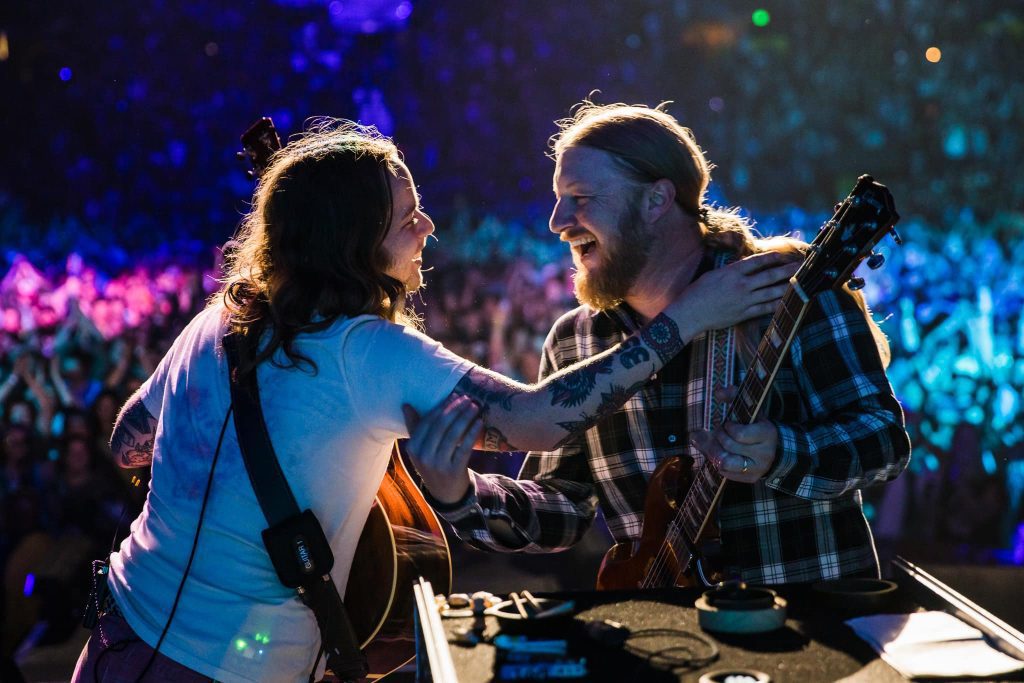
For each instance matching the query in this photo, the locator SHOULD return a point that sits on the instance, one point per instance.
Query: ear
(660, 197)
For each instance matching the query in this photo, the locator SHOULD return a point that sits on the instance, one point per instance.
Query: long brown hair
(649, 145)
(310, 250)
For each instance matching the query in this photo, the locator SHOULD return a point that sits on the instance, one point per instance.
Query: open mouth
(583, 244)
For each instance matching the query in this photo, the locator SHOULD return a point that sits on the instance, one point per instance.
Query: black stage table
(813, 645)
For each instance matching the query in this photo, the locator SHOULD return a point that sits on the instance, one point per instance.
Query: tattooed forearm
(662, 335)
(611, 401)
(574, 388)
(632, 352)
(132, 439)
(494, 440)
(486, 390)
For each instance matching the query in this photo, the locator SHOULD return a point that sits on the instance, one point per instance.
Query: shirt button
(672, 438)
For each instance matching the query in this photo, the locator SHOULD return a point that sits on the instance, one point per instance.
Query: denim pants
(114, 654)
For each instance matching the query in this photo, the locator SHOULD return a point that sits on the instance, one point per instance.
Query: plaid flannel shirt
(840, 429)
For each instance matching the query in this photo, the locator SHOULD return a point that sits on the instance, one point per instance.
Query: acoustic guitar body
(401, 541)
(650, 562)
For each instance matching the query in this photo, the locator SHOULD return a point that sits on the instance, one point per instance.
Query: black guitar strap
(294, 539)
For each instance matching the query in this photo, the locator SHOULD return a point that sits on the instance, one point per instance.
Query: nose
(425, 226)
(561, 217)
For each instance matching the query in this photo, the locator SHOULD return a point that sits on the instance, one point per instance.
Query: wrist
(442, 506)
(663, 335)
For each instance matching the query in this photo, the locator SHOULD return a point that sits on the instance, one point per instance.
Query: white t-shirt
(333, 434)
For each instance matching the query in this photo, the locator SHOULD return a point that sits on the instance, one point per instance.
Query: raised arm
(499, 414)
(543, 416)
(134, 430)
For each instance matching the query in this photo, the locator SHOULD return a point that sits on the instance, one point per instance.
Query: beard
(623, 257)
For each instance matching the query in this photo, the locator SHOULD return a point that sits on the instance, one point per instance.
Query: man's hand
(440, 444)
(748, 288)
(742, 453)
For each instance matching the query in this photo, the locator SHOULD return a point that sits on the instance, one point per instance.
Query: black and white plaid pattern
(840, 429)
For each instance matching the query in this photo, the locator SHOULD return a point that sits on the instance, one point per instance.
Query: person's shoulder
(374, 331)
(570, 322)
(572, 328)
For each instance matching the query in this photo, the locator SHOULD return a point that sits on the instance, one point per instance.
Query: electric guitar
(667, 553)
(402, 538)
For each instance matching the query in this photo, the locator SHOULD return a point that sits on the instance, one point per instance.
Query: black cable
(192, 553)
(663, 658)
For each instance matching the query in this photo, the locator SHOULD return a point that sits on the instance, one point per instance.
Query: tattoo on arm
(486, 390)
(632, 353)
(489, 391)
(132, 438)
(610, 402)
(494, 440)
(662, 335)
(574, 388)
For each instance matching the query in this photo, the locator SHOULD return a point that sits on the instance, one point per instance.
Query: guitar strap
(719, 369)
(294, 539)
(721, 364)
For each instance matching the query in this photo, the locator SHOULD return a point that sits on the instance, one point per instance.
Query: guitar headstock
(859, 223)
(259, 142)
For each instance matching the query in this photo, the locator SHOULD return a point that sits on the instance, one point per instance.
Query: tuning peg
(896, 236)
(875, 261)
(855, 283)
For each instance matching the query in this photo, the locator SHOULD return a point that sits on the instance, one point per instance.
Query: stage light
(65, 74)
(716, 104)
(988, 461)
(211, 49)
(5, 50)
(760, 17)
(933, 54)
(30, 584)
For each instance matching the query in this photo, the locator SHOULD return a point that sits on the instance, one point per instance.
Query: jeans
(114, 654)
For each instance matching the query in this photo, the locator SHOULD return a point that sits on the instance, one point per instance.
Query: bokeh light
(760, 17)
(933, 54)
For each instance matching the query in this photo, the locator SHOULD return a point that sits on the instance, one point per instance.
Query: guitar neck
(695, 513)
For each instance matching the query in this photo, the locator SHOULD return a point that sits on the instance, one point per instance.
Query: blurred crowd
(78, 340)
(99, 277)
(791, 110)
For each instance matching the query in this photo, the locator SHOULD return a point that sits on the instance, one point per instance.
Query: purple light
(716, 104)
(65, 74)
(403, 11)
(30, 584)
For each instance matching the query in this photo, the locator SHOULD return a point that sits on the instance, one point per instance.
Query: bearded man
(630, 186)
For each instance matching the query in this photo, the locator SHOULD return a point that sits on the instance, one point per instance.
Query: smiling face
(597, 212)
(407, 235)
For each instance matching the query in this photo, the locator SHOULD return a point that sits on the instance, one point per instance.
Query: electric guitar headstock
(859, 223)
(259, 142)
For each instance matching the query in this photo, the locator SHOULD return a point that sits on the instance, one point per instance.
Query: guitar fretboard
(694, 514)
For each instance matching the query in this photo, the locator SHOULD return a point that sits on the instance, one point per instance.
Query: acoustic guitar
(402, 538)
(669, 550)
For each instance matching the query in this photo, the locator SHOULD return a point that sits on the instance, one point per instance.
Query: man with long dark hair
(316, 290)
(630, 185)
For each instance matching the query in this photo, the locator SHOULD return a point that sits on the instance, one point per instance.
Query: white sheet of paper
(932, 644)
